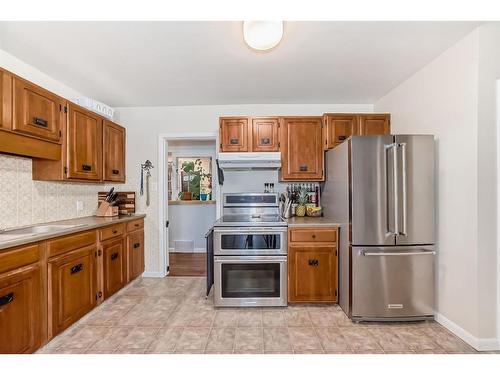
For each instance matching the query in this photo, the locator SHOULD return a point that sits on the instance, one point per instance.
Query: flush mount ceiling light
(262, 35)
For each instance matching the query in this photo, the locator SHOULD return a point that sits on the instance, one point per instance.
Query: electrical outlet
(79, 205)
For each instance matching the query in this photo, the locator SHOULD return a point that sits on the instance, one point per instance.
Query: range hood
(244, 161)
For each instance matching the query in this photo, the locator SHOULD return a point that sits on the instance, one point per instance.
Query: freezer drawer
(392, 283)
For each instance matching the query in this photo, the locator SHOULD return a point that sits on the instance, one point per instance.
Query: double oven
(250, 252)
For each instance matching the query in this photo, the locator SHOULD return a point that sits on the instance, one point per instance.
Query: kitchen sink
(12, 234)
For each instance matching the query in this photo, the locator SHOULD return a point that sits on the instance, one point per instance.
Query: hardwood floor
(187, 264)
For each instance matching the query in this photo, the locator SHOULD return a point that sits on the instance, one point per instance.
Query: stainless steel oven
(250, 241)
(250, 280)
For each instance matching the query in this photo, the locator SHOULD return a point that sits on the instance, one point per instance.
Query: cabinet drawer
(135, 225)
(313, 235)
(19, 257)
(111, 232)
(71, 242)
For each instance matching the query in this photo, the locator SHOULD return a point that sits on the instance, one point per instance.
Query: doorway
(188, 195)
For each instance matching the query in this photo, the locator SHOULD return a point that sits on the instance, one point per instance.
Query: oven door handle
(250, 259)
(254, 230)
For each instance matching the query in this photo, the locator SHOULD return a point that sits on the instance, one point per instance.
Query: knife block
(105, 210)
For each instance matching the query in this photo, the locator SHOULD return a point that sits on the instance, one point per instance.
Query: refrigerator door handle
(392, 164)
(404, 190)
(368, 254)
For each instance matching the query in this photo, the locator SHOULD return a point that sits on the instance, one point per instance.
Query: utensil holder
(105, 210)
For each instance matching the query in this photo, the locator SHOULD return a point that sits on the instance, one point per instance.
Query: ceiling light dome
(262, 35)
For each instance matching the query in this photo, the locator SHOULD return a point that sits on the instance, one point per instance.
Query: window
(194, 177)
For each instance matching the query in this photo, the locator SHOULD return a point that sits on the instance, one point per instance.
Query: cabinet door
(20, 310)
(72, 287)
(5, 100)
(376, 124)
(115, 266)
(37, 112)
(114, 152)
(84, 149)
(135, 249)
(234, 134)
(339, 127)
(302, 156)
(312, 273)
(265, 134)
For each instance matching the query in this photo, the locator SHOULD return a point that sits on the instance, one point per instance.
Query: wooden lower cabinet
(115, 266)
(135, 254)
(21, 303)
(312, 268)
(72, 287)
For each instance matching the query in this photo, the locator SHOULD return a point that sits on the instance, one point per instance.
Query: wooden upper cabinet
(302, 156)
(265, 134)
(338, 127)
(5, 100)
(84, 144)
(37, 112)
(375, 124)
(234, 134)
(113, 152)
(20, 310)
(72, 287)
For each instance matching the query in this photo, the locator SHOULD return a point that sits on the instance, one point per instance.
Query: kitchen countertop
(84, 223)
(306, 222)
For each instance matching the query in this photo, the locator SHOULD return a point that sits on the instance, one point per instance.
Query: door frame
(163, 186)
(498, 206)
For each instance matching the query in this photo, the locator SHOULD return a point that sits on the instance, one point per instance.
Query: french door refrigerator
(381, 190)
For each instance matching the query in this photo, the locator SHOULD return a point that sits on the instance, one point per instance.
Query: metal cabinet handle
(8, 298)
(115, 231)
(313, 262)
(86, 167)
(40, 122)
(77, 268)
(114, 256)
(234, 141)
(342, 137)
(313, 236)
(404, 188)
(265, 141)
(136, 225)
(115, 171)
(303, 168)
(136, 245)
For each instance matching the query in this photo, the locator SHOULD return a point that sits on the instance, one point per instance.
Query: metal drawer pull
(115, 231)
(234, 141)
(136, 225)
(86, 167)
(399, 254)
(115, 171)
(77, 268)
(303, 168)
(313, 236)
(114, 256)
(136, 245)
(265, 141)
(8, 298)
(313, 262)
(40, 122)
(342, 137)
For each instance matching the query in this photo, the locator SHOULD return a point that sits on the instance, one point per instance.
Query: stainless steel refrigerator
(381, 189)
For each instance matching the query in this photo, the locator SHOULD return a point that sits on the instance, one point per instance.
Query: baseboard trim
(476, 343)
(153, 274)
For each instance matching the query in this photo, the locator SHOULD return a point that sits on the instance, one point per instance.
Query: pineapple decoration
(301, 201)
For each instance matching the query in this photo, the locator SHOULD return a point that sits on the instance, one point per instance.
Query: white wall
(451, 98)
(144, 124)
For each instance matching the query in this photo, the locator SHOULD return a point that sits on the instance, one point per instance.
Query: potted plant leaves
(192, 176)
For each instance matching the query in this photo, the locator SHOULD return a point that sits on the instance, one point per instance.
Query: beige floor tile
(449, 342)
(304, 338)
(201, 319)
(219, 351)
(139, 338)
(273, 318)
(248, 351)
(129, 351)
(221, 339)
(322, 318)
(369, 351)
(342, 320)
(188, 351)
(166, 340)
(249, 318)
(83, 337)
(97, 351)
(193, 338)
(360, 339)
(179, 318)
(277, 352)
(112, 339)
(332, 340)
(416, 339)
(249, 339)
(226, 318)
(277, 339)
(297, 318)
(308, 351)
(388, 339)
(430, 351)
(340, 352)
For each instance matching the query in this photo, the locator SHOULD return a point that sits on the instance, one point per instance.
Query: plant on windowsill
(195, 173)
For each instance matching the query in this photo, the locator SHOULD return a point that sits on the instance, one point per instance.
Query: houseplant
(195, 173)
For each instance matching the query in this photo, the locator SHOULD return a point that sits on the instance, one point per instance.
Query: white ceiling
(182, 63)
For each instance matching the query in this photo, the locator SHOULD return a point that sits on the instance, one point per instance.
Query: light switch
(79, 205)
